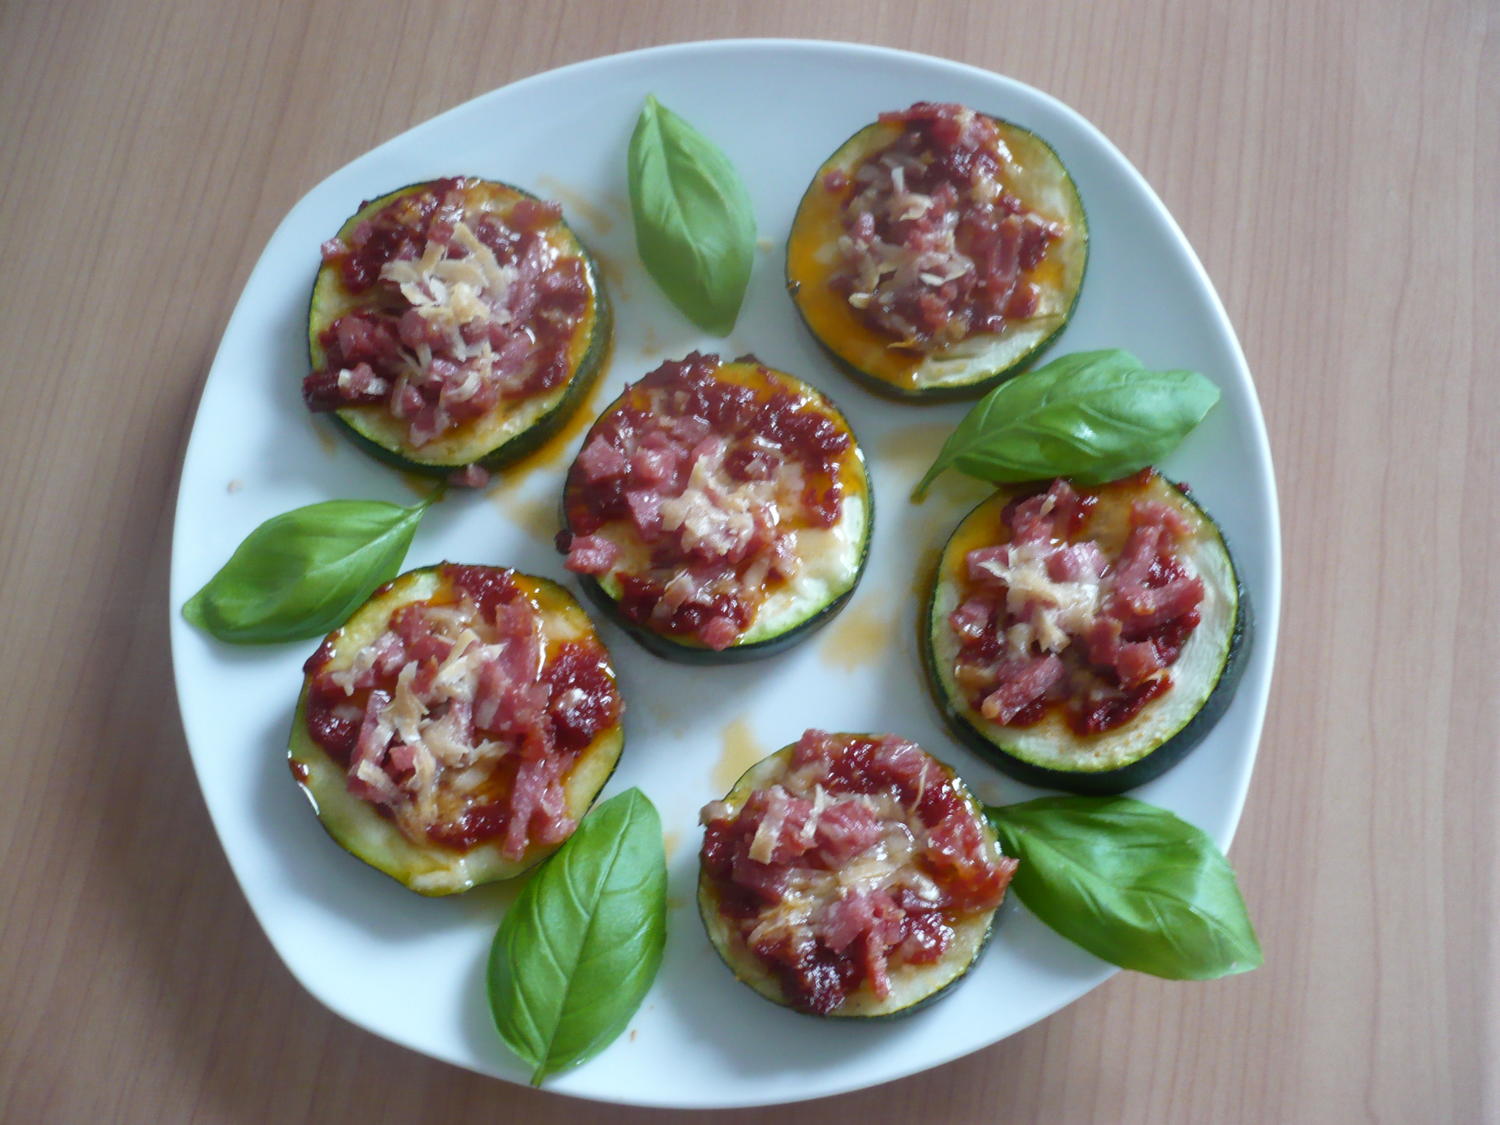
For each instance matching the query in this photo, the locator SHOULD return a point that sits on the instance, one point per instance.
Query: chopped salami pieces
(698, 492)
(456, 301)
(847, 860)
(935, 246)
(1076, 601)
(464, 712)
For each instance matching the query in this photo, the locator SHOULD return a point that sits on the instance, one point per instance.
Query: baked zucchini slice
(719, 511)
(937, 251)
(1086, 639)
(850, 875)
(458, 726)
(454, 323)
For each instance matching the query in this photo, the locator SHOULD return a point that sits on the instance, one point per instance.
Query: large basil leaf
(1131, 883)
(580, 947)
(302, 573)
(694, 222)
(1090, 416)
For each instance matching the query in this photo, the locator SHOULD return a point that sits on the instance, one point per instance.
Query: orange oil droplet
(859, 635)
(741, 751)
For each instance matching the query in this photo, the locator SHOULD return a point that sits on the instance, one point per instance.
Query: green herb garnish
(1091, 417)
(302, 573)
(578, 951)
(694, 222)
(1131, 883)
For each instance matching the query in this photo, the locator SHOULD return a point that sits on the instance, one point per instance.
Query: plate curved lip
(1253, 692)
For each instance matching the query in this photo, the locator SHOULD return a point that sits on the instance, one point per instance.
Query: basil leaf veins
(1131, 883)
(694, 222)
(302, 573)
(1090, 416)
(580, 947)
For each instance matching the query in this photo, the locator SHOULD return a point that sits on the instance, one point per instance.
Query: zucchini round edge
(975, 364)
(514, 427)
(912, 986)
(1049, 754)
(366, 831)
(793, 608)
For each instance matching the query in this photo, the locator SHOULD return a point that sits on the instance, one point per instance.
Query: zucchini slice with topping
(454, 323)
(937, 251)
(456, 729)
(719, 511)
(850, 875)
(1086, 639)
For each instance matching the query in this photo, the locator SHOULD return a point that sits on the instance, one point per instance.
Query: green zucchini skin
(853, 346)
(992, 742)
(936, 981)
(688, 650)
(325, 304)
(357, 826)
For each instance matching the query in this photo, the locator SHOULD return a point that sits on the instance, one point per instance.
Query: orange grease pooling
(911, 448)
(861, 634)
(741, 751)
(575, 204)
(536, 516)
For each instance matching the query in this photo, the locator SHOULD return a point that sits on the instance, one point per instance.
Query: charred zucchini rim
(1049, 754)
(794, 613)
(913, 987)
(512, 429)
(359, 828)
(976, 364)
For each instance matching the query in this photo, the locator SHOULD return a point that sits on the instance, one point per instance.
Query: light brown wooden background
(1334, 162)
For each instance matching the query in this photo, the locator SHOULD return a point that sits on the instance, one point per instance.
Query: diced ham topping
(693, 491)
(861, 858)
(935, 249)
(469, 721)
(460, 311)
(1048, 619)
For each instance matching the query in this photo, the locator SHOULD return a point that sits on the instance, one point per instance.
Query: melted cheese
(452, 294)
(1060, 610)
(717, 514)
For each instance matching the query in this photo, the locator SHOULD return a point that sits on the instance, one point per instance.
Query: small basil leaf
(578, 950)
(302, 573)
(694, 222)
(1131, 883)
(1091, 416)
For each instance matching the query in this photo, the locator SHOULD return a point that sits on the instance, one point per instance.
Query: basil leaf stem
(1131, 883)
(694, 222)
(302, 573)
(1090, 416)
(578, 950)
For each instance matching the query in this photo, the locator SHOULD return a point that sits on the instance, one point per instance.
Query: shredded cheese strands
(453, 294)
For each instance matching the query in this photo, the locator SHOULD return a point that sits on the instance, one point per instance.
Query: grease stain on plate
(860, 634)
(741, 751)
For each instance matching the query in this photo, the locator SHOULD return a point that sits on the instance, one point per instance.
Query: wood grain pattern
(1333, 163)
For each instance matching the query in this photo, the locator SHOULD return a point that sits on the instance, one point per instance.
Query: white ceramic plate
(412, 969)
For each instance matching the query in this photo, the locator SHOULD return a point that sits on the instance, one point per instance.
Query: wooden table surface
(1335, 166)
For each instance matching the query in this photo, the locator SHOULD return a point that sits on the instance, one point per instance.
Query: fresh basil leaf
(694, 222)
(580, 947)
(302, 573)
(1131, 883)
(1090, 416)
